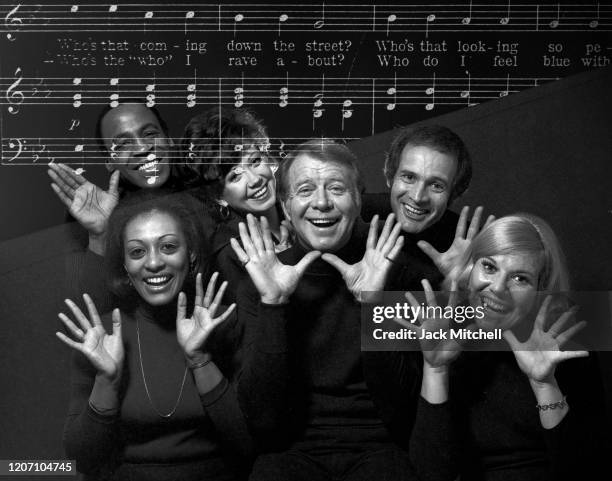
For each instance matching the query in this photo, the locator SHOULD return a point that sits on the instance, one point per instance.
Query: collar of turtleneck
(163, 316)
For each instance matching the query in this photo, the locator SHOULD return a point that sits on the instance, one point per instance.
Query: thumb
(308, 259)
(512, 341)
(429, 250)
(113, 184)
(341, 266)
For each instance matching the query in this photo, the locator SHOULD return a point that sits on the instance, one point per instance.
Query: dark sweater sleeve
(263, 383)
(89, 437)
(434, 448)
(221, 405)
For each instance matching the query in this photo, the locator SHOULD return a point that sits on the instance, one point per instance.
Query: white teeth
(260, 193)
(414, 210)
(157, 280)
(323, 222)
(496, 306)
(149, 165)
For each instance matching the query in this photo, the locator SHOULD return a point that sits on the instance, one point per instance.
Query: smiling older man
(328, 410)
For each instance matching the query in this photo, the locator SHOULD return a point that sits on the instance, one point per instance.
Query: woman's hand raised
(539, 355)
(104, 351)
(193, 332)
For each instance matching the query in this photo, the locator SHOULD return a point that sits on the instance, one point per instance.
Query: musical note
(431, 91)
(11, 22)
(430, 18)
(555, 23)
(191, 88)
(467, 20)
(393, 91)
(317, 111)
(79, 148)
(188, 16)
(77, 96)
(112, 8)
(595, 23)
(282, 19)
(347, 112)
(148, 15)
(237, 19)
(14, 96)
(15, 143)
(504, 93)
(467, 94)
(319, 24)
(390, 19)
(284, 93)
(506, 20)
(239, 95)
(150, 98)
(191, 153)
(74, 9)
(114, 98)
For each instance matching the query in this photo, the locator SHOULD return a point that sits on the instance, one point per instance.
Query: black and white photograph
(335, 241)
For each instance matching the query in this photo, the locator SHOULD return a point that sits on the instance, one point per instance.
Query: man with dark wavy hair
(427, 168)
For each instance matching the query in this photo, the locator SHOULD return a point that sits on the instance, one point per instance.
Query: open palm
(370, 273)
(274, 280)
(104, 351)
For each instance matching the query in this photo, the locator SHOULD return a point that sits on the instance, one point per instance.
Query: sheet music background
(329, 69)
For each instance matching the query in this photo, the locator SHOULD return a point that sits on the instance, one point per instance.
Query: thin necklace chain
(144, 379)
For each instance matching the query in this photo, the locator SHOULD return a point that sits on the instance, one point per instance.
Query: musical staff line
(322, 17)
(85, 150)
(283, 92)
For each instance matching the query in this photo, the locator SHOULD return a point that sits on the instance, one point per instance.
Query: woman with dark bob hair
(505, 415)
(226, 162)
(151, 397)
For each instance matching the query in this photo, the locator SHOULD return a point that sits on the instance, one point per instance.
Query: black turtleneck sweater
(196, 439)
(413, 264)
(305, 382)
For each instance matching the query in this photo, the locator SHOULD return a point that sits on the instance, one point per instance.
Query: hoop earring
(224, 211)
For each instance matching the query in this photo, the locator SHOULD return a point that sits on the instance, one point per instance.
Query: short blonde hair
(520, 234)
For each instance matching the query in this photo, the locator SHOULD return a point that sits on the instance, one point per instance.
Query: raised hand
(446, 261)
(90, 205)
(104, 351)
(539, 355)
(436, 352)
(193, 332)
(274, 280)
(370, 273)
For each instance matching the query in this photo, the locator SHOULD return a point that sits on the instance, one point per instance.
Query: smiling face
(322, 204)
(421, 187)
(137, 145)
(250, 187)
(156, 257)
(506, 285)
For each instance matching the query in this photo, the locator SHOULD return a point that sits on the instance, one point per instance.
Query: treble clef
(14, 96)
(12, 23)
